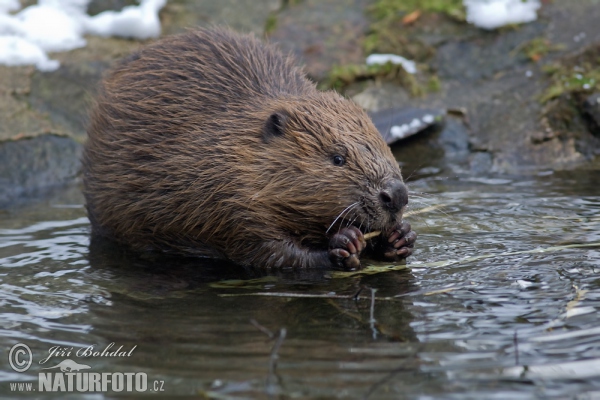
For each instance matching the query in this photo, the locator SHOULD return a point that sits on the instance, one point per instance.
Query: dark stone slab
(399, 124)
(31, 166)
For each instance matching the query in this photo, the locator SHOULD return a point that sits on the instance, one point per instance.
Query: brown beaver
(211, 143)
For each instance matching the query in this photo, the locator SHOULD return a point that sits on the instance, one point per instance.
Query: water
(499, 301)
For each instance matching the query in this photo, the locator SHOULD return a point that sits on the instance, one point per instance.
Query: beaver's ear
(275, 125)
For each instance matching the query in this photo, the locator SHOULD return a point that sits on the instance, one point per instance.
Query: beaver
(214, 144)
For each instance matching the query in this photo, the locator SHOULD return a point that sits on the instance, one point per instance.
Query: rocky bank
(519, 99)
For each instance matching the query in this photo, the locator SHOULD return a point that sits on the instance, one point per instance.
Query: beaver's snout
(393, 195)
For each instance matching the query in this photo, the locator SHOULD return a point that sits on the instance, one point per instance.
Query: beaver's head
(326, 166)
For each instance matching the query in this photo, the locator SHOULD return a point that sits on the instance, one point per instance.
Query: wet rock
(591, 107)
(30, 166)
(398, 124)
(486, 55)
(480, 162)
(35, 105)
(323, 33)
(98, 6)
(506, 128)
(511, 129)
(241, 15)
(34, 102)
(18, 119)
(454, 138)
(66, 94)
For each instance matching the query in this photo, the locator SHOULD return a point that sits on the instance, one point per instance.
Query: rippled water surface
(500, 301)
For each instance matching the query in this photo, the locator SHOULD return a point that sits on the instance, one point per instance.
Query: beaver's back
(170, 125)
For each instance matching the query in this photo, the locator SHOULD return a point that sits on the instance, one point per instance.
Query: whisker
(340, 215)
(412, 191)
(355, 218)
(348, 220)
(435, 207)
(413, 172)
(420, 201)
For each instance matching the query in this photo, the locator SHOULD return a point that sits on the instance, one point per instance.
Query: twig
(579, 296)
(262, 328)
(356, 295)
(271, 384)
(305, 296)
(442, 291)
(371, 235)
(424, 210)
(392, 374)
(393, 267)
(516, 343)
(372, 319)
(271, 379)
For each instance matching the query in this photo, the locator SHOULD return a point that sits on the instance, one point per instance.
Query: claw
(400, 243)
(345, 248)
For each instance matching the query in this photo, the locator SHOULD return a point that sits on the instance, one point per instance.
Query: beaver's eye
(338, 160)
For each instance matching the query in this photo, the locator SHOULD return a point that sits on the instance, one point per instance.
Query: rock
(591, 107)
(322, 33)
(241, 15)
(64, 95)
(505, 129)
(398, 124)
(98, 6)
(30, 166)
(511, 130)
(486, 55)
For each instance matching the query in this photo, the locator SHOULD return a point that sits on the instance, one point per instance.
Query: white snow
(139, 22)
(52, 28)
(408, 65)
(19, 51)
(492, 14)
(9, 5)
(60, 25)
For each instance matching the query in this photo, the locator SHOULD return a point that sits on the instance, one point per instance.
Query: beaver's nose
(393, 195)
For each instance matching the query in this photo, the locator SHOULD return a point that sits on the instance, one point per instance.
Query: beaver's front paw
(345, 247)
(400, 242)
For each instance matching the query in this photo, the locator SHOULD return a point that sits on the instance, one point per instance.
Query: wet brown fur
(181, 156)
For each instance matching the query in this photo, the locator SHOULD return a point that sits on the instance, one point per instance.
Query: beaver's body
(213, 144)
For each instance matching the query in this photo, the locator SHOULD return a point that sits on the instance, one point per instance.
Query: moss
(396, 25)
(383, 9)
(574, 77)
(537, 48)
(394, 29)
(342, 76)
(270, 24)
(434, 84)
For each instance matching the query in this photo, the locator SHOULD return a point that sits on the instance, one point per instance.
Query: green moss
(270, 23)
(390, 33)
(342, 76)
(537, 48)
(578, 76)
(434, 84)
(383, 9)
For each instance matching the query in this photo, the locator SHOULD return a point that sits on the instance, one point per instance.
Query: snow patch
(59, 25)
(9, 5)
(408, 65)
(138, 22)
(19, 51)
(492, 14)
